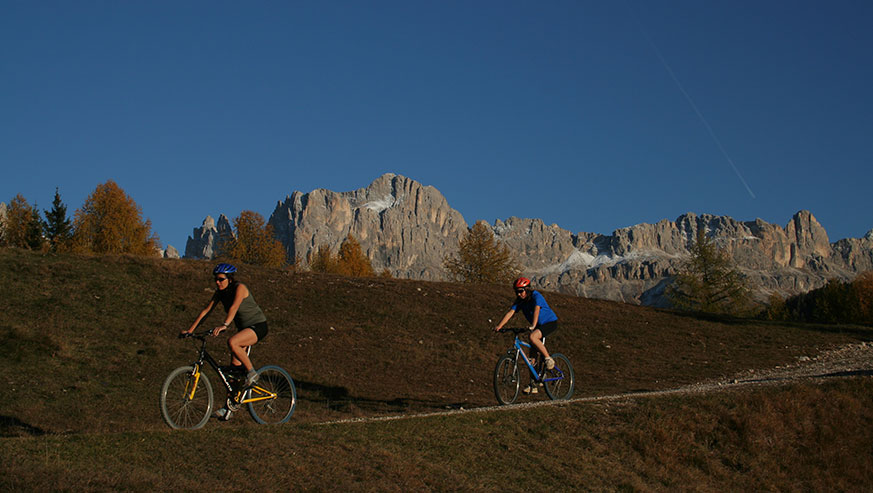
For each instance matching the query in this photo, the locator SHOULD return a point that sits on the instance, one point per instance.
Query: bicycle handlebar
(515, 330)
(196, 335)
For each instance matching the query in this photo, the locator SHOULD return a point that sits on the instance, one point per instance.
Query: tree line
(836, 302)
(110, 222)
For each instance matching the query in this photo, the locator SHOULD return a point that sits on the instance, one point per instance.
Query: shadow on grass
(13, 427)
(862, 332)
(337, 398)
(836, 374)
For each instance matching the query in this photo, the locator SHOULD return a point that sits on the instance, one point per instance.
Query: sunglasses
(220, 279)
(519, 291)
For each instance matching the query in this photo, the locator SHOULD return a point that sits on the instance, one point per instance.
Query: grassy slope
(88, 341)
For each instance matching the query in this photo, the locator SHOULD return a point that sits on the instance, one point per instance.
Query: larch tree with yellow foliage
(111, 222)
(352, 261)
(349, 261)
(253, 242)
(481, 258)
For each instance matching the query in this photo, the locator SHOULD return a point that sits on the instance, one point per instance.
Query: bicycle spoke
(183, 406)
(559, 381)
(506, 380)
(272, 410)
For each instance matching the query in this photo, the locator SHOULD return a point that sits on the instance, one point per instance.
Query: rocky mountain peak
(402, 225)
(201, 244)
(409, 228)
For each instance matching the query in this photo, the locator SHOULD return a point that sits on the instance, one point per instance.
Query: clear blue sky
(591, 115)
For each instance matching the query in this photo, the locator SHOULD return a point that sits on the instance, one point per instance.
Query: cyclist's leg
(239, 344)
(536, 340)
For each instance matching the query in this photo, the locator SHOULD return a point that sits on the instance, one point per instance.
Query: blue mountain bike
(558, 381)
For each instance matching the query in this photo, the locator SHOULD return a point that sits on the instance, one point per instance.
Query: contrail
(691, 102)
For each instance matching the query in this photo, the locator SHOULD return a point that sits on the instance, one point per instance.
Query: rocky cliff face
(633, 263)
(408, 229)
(402, 226)
(201, 244)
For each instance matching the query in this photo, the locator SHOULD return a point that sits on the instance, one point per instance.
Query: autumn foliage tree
(111, 222)
(835, 302)
(22, 227)
(708, 282)
(253, 242)
(349, 261)
(352, 261)
(481, 258)
(863, 286)
(322, 260)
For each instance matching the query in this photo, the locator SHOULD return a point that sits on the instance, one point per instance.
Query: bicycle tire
(506, 379)
(178, 409)
(560, 390)
(275, 380)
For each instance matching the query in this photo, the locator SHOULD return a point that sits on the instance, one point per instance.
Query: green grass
(88, 342)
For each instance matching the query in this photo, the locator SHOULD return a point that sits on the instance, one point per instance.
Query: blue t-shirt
(527, 308)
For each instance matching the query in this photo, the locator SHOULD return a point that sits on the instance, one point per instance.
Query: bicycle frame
(519, 347)
(204, 356)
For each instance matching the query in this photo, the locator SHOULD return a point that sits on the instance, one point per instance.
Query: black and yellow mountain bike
(187, 399)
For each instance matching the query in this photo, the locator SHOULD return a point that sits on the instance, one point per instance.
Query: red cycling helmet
(521, 282)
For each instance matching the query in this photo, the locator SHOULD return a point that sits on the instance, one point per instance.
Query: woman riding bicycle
(542, 319)
(250, 321)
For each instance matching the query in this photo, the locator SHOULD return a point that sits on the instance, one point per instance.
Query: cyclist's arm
(203, 314)
(536, 318)
(506, 318)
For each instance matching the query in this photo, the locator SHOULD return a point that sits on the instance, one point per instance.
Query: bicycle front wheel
(506, 379)
(273, 398)
(560, 380)
(186, 399)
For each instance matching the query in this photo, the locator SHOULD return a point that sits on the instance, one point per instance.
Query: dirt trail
(844, 361)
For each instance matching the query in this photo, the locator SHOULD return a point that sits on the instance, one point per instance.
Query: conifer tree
(352, 261)
(481, 258)
(58, 229)
(707, 282)
(111, 222)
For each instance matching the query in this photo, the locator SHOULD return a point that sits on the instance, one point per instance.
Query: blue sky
(591, 115)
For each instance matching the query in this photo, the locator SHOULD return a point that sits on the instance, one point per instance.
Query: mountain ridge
(408, 228)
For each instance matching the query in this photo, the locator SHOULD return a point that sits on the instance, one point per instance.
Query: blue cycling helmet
(223, 269)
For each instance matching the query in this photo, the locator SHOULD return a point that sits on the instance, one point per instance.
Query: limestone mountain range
(409, 228)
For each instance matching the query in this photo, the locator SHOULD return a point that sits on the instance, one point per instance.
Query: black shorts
(549, 328)
(260, 329)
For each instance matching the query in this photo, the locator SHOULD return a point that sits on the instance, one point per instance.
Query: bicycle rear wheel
(506, 379)
(273, 398)
(186, 401)
(561, 388)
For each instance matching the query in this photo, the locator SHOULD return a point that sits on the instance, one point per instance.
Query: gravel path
(844, 361)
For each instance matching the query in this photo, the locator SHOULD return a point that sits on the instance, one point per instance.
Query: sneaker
(530, 389)
(251, 378)
(550, 364)
(223, 414)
